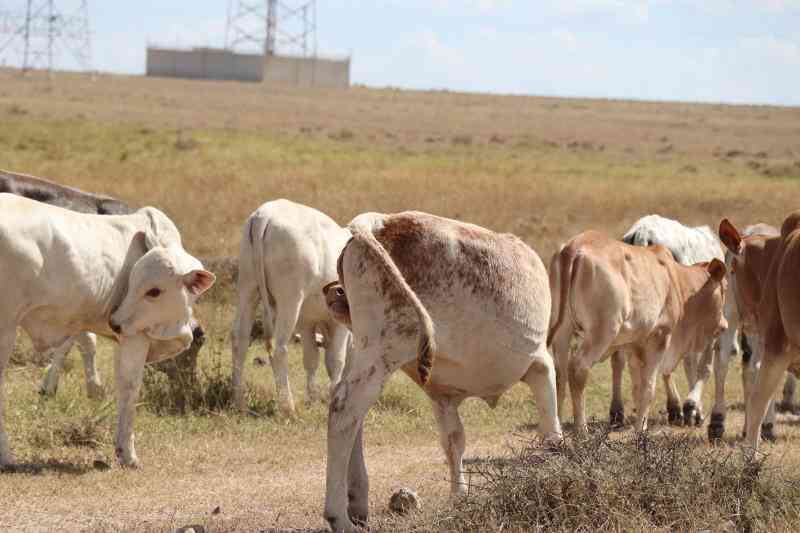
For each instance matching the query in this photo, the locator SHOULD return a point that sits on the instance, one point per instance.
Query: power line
(44, 33)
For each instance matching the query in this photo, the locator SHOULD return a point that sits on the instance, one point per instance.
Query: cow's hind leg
(616, 413)
(8, 335)
(452, 439)
(561, 350)
(58, 355)
(87, 343)
(286, 316)
(336, 352)
(592, 348)
(310, 362)
(240, 333)
(541, 378)
(347, 484)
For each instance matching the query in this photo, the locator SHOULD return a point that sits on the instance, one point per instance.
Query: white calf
(288, 253)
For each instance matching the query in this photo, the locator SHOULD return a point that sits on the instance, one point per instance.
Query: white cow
(473, 305)
(126, 277)
(688, 246)
(288, 253)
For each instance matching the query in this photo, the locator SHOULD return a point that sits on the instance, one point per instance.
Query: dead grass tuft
(210, 393)
(640, 482)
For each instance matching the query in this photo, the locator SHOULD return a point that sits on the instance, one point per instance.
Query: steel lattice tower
(272, 26)
(41, 33)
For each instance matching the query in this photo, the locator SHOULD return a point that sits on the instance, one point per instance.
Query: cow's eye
(155, 292)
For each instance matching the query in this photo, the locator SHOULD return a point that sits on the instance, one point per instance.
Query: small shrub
(184, 143)
(210, 392)
(463, 140)
(343, 135)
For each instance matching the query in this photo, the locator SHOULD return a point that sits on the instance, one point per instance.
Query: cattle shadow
(37, 468)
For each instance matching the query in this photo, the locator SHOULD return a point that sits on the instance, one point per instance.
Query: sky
(737, 51)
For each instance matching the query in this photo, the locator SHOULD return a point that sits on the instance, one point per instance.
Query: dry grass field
(209, 153)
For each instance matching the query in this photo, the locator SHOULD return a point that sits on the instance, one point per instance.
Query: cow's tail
(257, 234)
(564, 263)
(426, 351)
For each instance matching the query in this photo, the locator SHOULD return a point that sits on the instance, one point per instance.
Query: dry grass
(208, 153)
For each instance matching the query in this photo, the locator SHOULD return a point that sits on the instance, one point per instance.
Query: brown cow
(747, 272)
(613, 294)
(774, 306)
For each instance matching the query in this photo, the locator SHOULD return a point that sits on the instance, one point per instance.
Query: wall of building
(218, 64)
(307, 71)
(204, 63)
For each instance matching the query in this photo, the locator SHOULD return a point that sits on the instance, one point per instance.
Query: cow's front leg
(616, 413)
(7, 337)
(693, 406)
(55, 368)
(351, 400)
(128, 367)
(727, 347)
(674, 416)
(647, 391)
(766, 385)
(87, 343)
(787, 404)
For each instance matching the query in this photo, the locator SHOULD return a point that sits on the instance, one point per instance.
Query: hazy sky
(708, 50)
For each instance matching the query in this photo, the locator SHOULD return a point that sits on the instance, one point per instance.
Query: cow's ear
(198, 281)
(716, 269)
(730, 237)
(146, 240)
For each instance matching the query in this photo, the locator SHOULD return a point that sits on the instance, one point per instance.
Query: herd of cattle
(463, 311)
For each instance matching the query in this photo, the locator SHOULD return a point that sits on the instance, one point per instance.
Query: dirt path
(252, 490)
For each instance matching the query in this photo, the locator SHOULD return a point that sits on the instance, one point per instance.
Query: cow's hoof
(46, 392)
(674, 415)
(691, 414)
(768, 432)
(341, 525)
(716, 428)
(785, 407)
(616, 417)
(127, 459)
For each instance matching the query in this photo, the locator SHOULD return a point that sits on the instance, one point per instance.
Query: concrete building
(204, 63)
(220, 64)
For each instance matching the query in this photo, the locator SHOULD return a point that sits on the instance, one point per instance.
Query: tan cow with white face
(613, 294)
(473, 305)
(767, 273)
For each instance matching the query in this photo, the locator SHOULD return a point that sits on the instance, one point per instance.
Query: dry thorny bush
(209, 392)
(645, 481)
